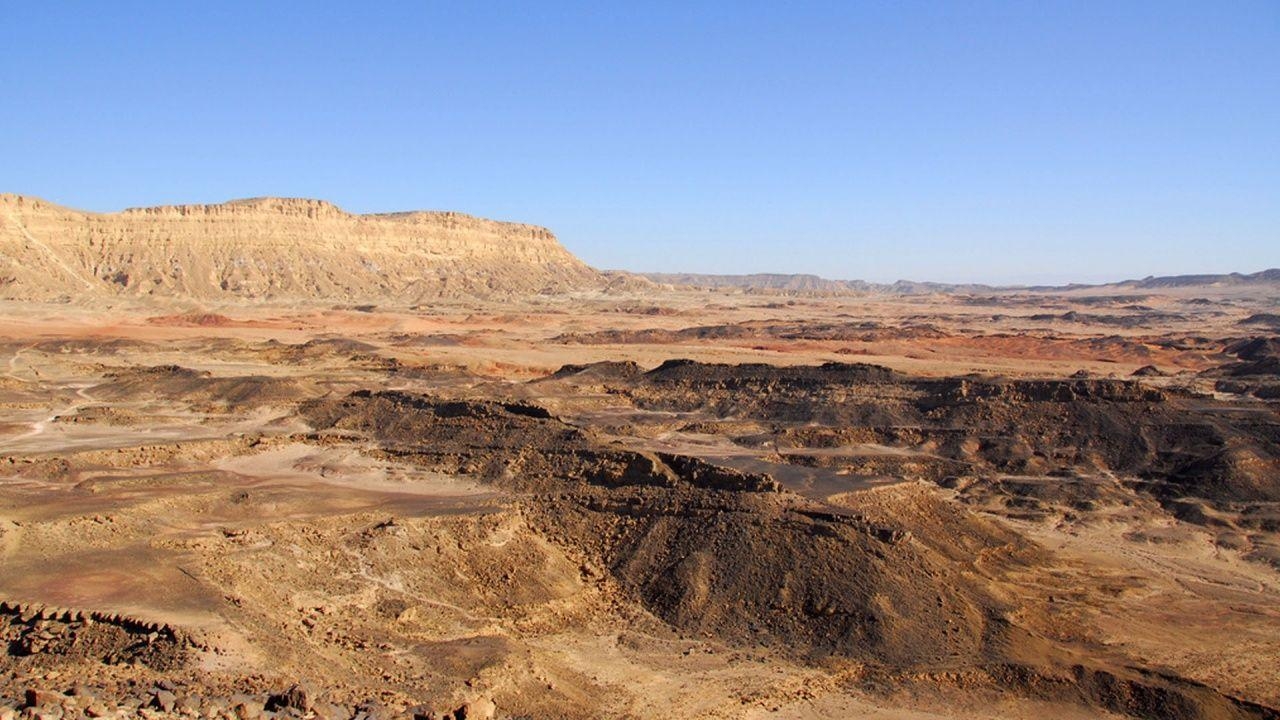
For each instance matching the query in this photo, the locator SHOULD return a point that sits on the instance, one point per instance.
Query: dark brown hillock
(710, 549)
(1184, 445)
(173, 382)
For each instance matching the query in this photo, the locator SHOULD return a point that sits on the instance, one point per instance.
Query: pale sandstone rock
(273, 248)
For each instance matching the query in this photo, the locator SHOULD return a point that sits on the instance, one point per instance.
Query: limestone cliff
(274, 249)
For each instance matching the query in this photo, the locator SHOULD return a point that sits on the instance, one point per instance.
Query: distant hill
(762, 281)
(275, 248)
(813, 284)
(1258, 278)
(776, 282)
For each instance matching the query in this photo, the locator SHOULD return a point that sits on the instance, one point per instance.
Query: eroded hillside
(272, 248)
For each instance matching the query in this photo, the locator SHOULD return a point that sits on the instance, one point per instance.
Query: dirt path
(39, 427)
(13, 366)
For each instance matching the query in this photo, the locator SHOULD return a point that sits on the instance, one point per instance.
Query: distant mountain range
(299, 249)
(813, 284)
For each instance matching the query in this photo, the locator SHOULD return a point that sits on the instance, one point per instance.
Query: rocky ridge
(275, 248)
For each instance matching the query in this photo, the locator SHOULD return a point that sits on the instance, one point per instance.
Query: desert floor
(419, 507)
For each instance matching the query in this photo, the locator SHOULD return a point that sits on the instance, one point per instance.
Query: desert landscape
(271, 459)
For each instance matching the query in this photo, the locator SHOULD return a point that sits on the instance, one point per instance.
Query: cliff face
(271, 248)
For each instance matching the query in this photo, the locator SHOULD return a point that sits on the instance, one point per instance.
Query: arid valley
(269, 459)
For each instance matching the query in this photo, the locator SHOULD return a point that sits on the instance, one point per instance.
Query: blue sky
(967, 141)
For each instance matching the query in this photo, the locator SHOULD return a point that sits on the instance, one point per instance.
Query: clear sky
(965, 141)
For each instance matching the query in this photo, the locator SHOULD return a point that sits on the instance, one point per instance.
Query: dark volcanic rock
(297, 697)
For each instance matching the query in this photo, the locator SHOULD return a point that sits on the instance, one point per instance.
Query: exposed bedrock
(893, 577)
